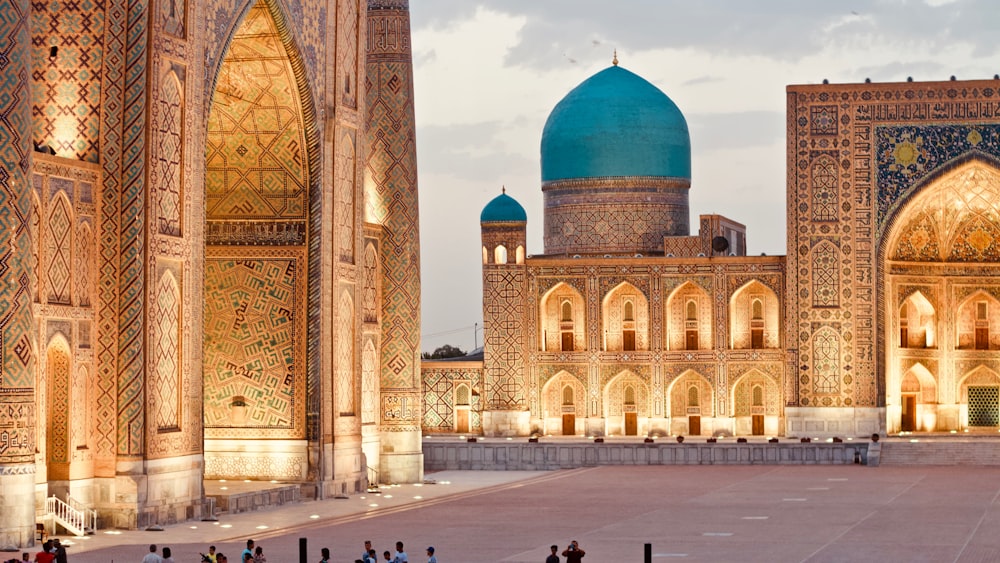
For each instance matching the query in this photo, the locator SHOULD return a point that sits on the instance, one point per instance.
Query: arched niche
(754, 317)
(562, 320)
(625, 319)
(917, 322)
(689, 318)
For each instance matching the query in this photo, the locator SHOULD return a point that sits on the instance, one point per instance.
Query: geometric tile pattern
(57, 372)
(826, 362)
(625, 308)
(165, 384)
(825, 275)
(347, 52)
(614, 215)
(345, 170)
(824, 189)
(344, 369)
(16, 356)
(369, 291)
(954, 220)
(627, 393)
(165, 175)
(562, 309)
(171, 15)
(254, 342)
(369, 383)
(257, 165)
(756, 393)
(59, 245)
(503, 340)
(391, 198)
(439, 385)
(66, 89)
(83, 256)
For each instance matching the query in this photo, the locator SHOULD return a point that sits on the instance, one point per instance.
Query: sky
(487, 73)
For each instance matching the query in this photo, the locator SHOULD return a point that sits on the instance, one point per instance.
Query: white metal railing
(75, 520)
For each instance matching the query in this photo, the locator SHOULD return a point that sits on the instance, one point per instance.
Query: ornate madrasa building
(209, 261)
(884, 317)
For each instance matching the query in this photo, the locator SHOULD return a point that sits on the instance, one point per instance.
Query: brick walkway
(696, 513)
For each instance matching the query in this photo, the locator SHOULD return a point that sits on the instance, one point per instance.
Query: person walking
(400, 556)
(554, 556)
(167, 556)
(247, 551)
(430, 555)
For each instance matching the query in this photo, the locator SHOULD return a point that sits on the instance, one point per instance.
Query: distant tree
(446, 351)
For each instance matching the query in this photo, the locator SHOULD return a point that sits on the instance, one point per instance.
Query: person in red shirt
(573, 553)
(45, 555)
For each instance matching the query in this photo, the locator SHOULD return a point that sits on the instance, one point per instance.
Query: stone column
(17, 364)
(391, 201)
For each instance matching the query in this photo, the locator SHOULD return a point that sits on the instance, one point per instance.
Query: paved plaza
(693, 513)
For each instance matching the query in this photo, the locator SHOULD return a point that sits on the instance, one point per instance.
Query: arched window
(568, 395)
(629, 311)
(519, 255)
(567, 311)
(500, 254)
(486, 256)
(462, 395)
(757, 310)
(693, 396)
(692, 311)
(629, 395)
(757, 396)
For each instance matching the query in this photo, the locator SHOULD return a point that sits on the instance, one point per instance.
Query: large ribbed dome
(615, 123)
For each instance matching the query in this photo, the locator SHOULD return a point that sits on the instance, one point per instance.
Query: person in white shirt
(152, 557)
(400, 554)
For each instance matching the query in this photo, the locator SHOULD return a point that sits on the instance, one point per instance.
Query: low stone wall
(525, 456)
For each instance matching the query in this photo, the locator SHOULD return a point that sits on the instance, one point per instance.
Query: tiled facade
(193, 286)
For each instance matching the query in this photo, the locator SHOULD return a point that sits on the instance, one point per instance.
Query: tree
(446, 351)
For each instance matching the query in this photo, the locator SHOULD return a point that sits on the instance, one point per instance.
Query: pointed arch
(562, 319)
(755, 392)
(625, 316)
(369, 383)
(166, 389)
(167, 178)
(977, 322)
(689, 318)
(754, 317)
(58, 406)
(917, 322)
(83, 274)
(826, 361)
(918, 379)
(622, 387)
(556, 391)
(685, 402)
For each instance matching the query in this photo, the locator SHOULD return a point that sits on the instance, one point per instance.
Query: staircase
(974, 452)
(72, 515)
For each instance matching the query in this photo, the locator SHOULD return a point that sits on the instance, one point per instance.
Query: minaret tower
(503, 225)
(391, 202)
(17, 370)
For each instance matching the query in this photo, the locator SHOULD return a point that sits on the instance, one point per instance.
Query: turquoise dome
(503, 209)
(615, 123)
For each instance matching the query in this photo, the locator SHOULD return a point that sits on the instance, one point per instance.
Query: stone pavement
(696, 513)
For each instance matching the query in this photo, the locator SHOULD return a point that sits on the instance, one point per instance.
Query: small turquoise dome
(615, 123)
(503, 209)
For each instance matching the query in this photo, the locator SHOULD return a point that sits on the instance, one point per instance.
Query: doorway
(757, 425)
(908, 420)
(694, 425)
(568, 424)
(631, 423)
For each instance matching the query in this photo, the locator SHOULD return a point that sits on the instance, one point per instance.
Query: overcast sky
(487, 74)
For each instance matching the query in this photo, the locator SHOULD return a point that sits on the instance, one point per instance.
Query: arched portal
(564, 406)
(260, 180)
(626, 405)
(941, 263)
(691, 398)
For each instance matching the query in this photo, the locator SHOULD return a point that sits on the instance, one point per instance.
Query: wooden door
(909, 418)
(461, 419)
(691, 340)
(757, 424)
(567, 342)
(694, 425)
(631, 423)
(756, 338)
(569, 425)
(982, 338)
(628, 340)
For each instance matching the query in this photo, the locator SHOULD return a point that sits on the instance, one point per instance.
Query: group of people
(252, 553)
(53, 551)
(370, 555)
(573, 553)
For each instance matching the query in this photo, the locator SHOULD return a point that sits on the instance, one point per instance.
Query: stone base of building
(344, 470)
(506, 423)
(282, 460)
(157, 491)
(401, 459)
(826, 422)
(17, 505)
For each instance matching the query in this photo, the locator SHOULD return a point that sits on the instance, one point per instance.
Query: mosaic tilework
(172, 15)
(552, 309)
(390, 171)
(57, 373)
(369, 383)
(345, 171)
(166, 179)
(626, 385)
(254, 343)
(16, 355)
(825, 189)
(369, 290)
(83, 257)
(344, 371)
(58, 250)
(165, 381)
(257, 164)
(66, 89)
(743, 395)
(347, 52)
(439, 385)
(613, 214)
(503, 338)
(954, 219)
